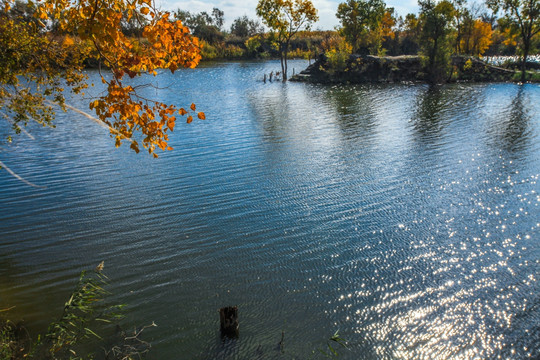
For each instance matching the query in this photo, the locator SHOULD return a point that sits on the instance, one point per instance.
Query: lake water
(406, 217)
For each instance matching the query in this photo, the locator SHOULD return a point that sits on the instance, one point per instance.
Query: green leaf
(93, 333)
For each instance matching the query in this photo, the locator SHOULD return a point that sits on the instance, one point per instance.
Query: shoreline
(360, 69)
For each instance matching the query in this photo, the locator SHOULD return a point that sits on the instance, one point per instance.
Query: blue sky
(235, 8)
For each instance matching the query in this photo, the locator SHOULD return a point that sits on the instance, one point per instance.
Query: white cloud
(327, 14)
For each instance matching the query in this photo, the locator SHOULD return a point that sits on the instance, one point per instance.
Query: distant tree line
(440, 29)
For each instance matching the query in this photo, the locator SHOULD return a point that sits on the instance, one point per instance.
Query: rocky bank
(405, 68)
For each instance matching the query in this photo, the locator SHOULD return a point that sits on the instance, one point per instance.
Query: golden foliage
(92, 29)
(332, 40)
(477, 39)
(510, 37)
(481, 38)
(285, 18)
(387, 24)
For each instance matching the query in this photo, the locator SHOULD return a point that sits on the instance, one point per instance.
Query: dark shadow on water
(241, 348)
(228, 347)
(272, 107)
(427, 122)
(511, 130)
(354, 110)
(427, 118)
(516, 135)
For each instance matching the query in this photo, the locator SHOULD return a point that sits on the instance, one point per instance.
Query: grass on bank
(531, 76)
(85, 317)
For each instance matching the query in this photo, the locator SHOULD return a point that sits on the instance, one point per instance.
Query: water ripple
(405, 216)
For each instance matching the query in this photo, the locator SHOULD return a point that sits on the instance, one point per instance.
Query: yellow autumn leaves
(200, 115)
(92, 29)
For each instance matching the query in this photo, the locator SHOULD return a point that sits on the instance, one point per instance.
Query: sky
(236, 8)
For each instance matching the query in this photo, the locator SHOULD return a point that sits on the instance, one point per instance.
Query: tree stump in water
(228, 317)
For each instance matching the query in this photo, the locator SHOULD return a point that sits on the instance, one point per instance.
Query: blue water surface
(404, 216)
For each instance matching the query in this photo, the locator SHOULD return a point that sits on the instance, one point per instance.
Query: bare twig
(133, 347)
(101, 123)
(19, 177)
(18, 127)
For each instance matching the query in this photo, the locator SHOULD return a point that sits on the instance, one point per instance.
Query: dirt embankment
(406, 68)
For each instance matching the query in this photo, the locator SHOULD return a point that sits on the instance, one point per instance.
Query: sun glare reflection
(459, 290)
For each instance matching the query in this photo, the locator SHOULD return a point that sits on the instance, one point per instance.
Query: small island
(405, 68)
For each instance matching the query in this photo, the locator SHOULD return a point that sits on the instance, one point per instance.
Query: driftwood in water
(228, 317)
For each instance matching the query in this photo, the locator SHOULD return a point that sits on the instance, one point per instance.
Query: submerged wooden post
(228, 317)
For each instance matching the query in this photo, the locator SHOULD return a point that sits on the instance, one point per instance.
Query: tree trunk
(433, 62)
(526, 46)
(282, 60)
(285, 68)
(284, 65)
(458, 38)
